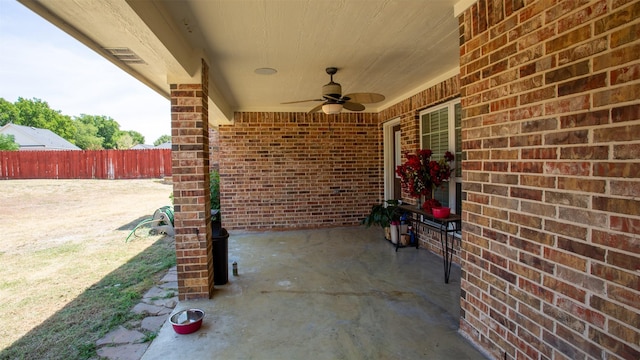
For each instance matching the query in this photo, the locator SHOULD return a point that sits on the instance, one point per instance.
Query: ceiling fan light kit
(334, 102)
(332, 108)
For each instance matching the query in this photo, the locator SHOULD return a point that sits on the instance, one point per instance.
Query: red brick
(617, 241)
(538, 95)
(527, 55)
(624, 224)
(565, 258)
(617, 347)
(527, 167)
(563, 317)
(621, 331)
(496, 166)
(579, 277)
(624, 261)
(585, 217)
(618, 18)
(537, 263)
(617, 57)
(568, 39)
(567, 72)
(526, 112)
(623, 295)
(582, 84)
(539, 125)
(581, 311)
(537, 236)
(565, 105)
(529, 194)
(614, 205)
(616, 311)
(583, 50)
(582, 343)
(626, 151)
(565, 348)
(625, 74)
(562, 228)
(536, 290)
(538, 36)
(526, 140)
(585, 153)
(586, 14)
(540, 153)
(567, 168)
(616, 95)
(567, 137)
(581, 248)
(625, 113)
(618, 133)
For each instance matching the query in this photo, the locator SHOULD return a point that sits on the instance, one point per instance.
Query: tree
(136, 136)
(89, 132)
(7, 142)
(37, 113)
(8, 112)
(162, 139)
(125, 141)
(107, 128)
(87, 137)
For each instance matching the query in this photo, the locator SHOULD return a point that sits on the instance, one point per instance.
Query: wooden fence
(89, 164)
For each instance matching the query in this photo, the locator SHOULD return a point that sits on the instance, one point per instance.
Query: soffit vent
(125, 55)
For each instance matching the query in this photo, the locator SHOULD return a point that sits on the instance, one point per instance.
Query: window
(440, 131)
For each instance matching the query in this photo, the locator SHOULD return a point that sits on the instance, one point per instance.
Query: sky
(38, 60)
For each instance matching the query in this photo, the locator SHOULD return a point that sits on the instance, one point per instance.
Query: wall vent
(125, 55)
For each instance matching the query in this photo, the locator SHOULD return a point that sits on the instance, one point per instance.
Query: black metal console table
(446, 226)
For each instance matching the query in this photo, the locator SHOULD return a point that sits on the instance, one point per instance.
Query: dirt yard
(58, 237)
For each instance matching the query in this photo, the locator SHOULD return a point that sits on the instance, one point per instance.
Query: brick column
(190, 162)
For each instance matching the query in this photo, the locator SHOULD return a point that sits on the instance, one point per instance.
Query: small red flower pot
(441, 212)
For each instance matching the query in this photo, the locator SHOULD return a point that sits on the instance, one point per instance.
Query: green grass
(72, 332)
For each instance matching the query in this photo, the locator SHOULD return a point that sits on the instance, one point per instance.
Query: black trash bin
(216, 222)
(221, 257)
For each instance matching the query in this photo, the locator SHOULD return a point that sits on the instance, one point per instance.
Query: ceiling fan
(333, 101)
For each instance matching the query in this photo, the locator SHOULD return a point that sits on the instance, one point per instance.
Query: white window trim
(389, 170)
(451, 144)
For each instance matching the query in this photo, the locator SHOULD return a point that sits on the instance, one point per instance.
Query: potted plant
(383, 215)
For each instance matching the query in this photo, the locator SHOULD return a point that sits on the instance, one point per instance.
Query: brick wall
(551, 130)
(190, 164)
(298, 170)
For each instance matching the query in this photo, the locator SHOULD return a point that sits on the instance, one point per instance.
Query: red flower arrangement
(420, 175)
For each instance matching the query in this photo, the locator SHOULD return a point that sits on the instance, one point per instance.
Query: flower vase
(419, 202)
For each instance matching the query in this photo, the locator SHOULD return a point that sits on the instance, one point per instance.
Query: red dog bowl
(441, 212)
(187, 321)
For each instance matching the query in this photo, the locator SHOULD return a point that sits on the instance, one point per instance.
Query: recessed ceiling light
(265, 71)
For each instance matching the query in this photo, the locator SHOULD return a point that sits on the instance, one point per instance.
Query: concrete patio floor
(341, 293)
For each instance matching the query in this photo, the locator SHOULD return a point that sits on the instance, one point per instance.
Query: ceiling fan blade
(365, 98)
(301, 101)
(331, 98)
(316, 109)
(353, 106)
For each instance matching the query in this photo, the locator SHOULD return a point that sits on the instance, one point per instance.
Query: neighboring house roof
(31, 138)
(141, 147)
(166, 145)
